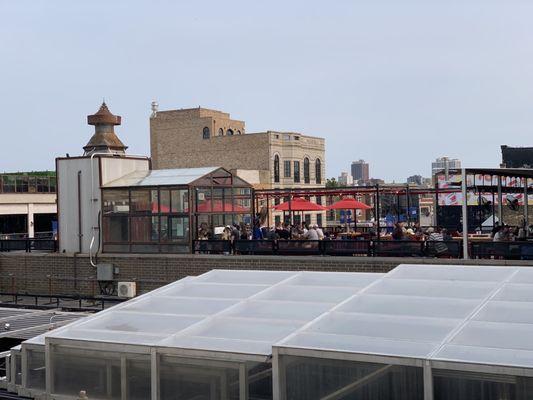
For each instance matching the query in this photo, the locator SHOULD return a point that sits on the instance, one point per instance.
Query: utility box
(104, 272)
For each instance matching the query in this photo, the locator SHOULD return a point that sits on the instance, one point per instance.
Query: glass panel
(9, 184)
(96, 373)
(455, 385)
(115, 201)
(180, 200)
(259, 381)
(52, 184)
(43, 185)
(164, 201)
(18, 369)
(314, 379)
(32, 186)
(144, 201)
(36, 371)
(22, 184)
(179, 229)
(203, 200)
(138, 377)
(116, 229)
(197, 379)
(242, 199)
(144, 229)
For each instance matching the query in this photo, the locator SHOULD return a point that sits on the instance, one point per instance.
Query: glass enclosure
(144, 218)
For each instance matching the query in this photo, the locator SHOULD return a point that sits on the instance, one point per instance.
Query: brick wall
(65, 274)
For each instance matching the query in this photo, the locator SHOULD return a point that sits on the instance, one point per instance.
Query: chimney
(104, 139)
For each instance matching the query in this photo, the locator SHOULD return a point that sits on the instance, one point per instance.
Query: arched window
(307, 176)
(229, 132)
(221, 132)
(238, 132)
(206, 133)
(276, 168)
(318, 171)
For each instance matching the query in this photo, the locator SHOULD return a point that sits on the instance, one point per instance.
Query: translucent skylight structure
(418, 332)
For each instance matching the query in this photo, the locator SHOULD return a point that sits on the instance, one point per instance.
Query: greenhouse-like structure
(417, 332)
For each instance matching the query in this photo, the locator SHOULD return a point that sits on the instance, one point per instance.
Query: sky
(395, 82)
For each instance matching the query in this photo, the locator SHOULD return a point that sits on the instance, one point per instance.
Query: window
(318, 171)
(319, 219)
(207, 133)
(276, 168)
(229, 132)
(221, 132)
(297, 171)
(115, 201)
(307, 177)
(238, 132)
(143, 200)
(318, 200)
(287, 169)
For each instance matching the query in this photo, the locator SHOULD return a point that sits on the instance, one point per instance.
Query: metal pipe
(465, 214)
(79, 213)
(526, 204)
(500, 201)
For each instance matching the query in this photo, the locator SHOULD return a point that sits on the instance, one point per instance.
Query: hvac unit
(127, 289)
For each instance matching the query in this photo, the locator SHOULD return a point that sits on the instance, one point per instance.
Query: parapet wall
(33, 273)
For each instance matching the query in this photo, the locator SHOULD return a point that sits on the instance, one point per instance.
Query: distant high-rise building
(444, 164)
(345, 179)
(415, 179)
(360, 171)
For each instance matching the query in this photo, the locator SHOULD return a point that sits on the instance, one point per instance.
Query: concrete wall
(66, 274)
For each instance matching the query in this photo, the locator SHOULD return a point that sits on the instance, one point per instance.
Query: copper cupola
(104, 139)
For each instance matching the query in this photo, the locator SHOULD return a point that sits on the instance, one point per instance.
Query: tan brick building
(200, 137)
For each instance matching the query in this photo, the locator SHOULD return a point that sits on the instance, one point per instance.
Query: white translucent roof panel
(245, 329)
(450, 273)
(385, 326)
(515, 292)
(214, 290)
(179, 305)
(136, 322)
(359, 344)
(244, 277)
(308, 293)
(506, 311)
(346, 279)
(433, 288)
(159, 177)
(410, 306)
(284, 310)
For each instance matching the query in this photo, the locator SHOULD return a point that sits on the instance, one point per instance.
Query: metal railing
(67, 302)
(362, 248)
(502, 250)
(28, 245)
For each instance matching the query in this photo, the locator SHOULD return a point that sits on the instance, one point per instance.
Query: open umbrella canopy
(348, 204)
(299, 204)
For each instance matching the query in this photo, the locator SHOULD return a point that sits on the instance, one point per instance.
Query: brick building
(200, 137)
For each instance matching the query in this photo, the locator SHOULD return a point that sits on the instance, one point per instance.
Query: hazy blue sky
(397, 83)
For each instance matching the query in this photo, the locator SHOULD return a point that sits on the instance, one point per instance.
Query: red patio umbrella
(299, 204)
(349, 203)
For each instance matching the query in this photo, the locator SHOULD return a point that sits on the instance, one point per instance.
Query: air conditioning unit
(127, 289)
